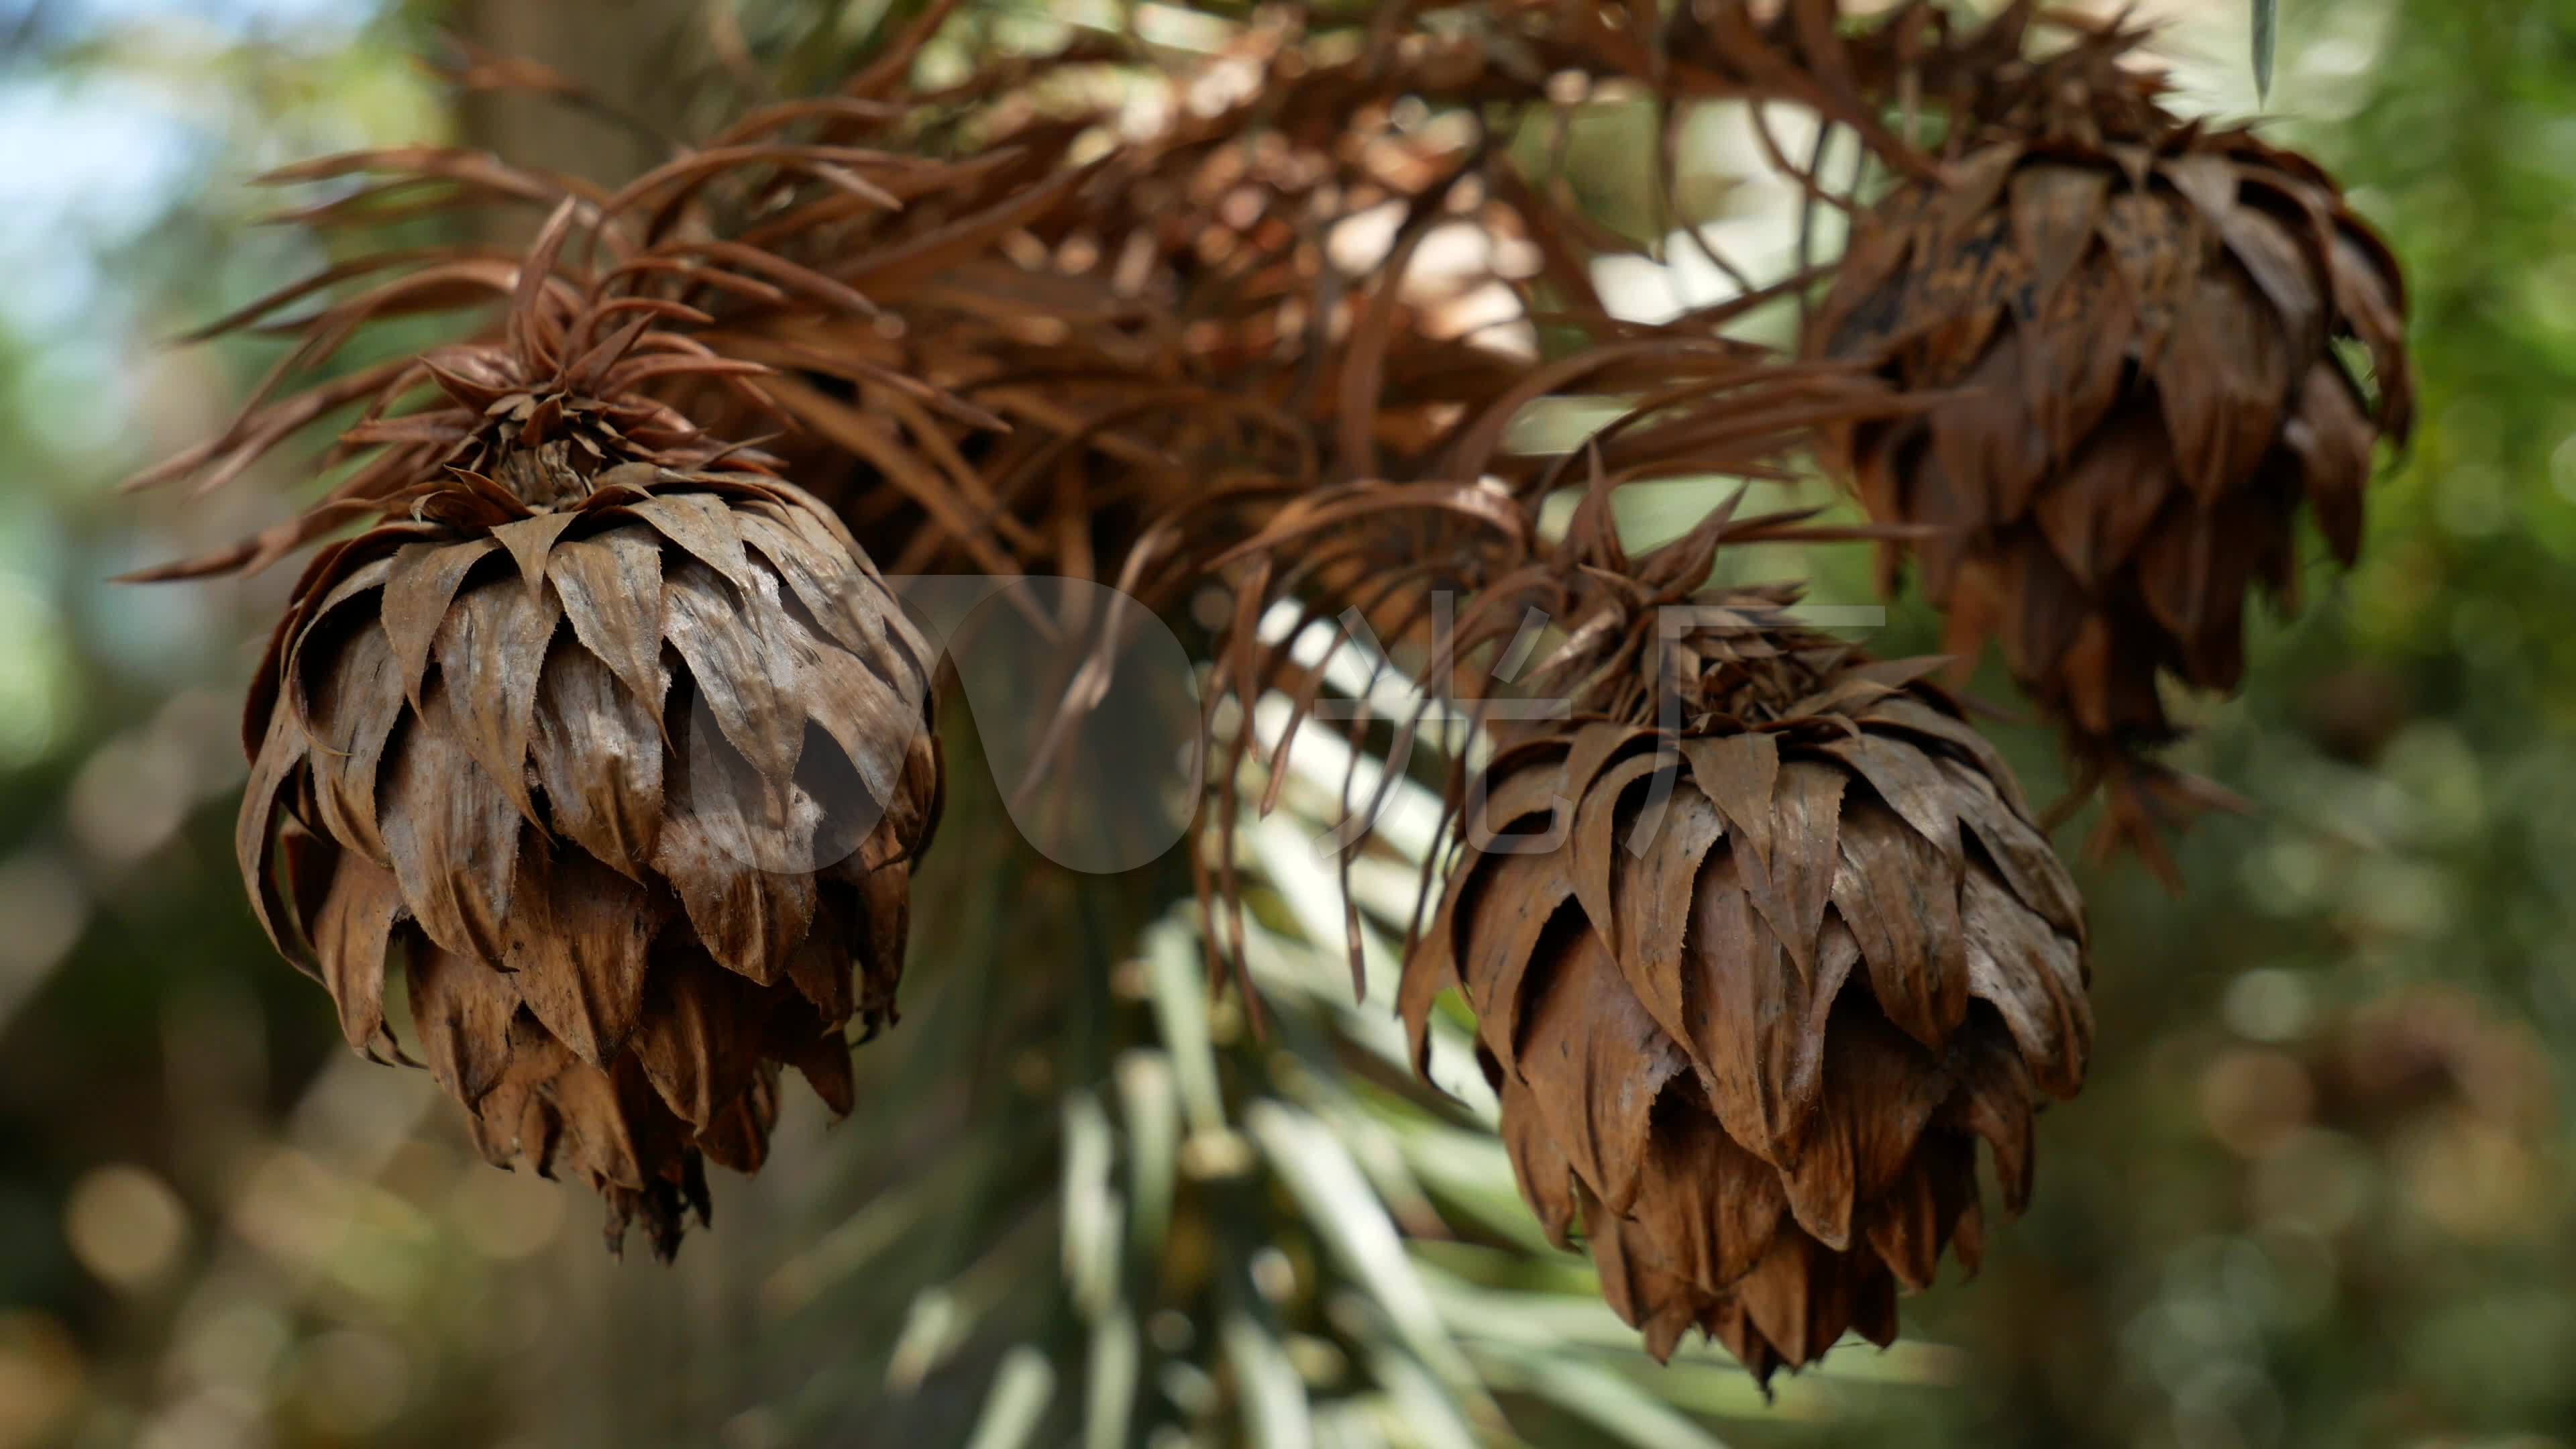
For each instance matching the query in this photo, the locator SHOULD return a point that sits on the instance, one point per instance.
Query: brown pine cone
(2136, 326)
(616, 742)
(1773, 970)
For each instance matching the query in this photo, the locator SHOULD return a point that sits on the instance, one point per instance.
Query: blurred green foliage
(2317, 1193)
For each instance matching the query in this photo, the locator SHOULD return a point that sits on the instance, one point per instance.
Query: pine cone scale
(743, 679)
(462, 1010)
(352, 935)
(1714, 1206)
(1897, 892)
(1504, 929)
(576, 949)
(1738, 774)
(1806, 810)
(453, 835)
(1744, 1012)
(424, 579)
(597, 753)
(353, 726)
(1597, 857)
(692, 1044)
(491, 650)
(1654, 895)
(611, 590)
(1596, 1064)
(531, 542)
(2036, 982)
(748, 919)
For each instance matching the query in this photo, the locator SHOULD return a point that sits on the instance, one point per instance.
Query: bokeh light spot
(126, 1226)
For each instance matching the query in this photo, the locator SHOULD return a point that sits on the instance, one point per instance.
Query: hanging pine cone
(2140, 320)
(1770, 972)
(614, 741)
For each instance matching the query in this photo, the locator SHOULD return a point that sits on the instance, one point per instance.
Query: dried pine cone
(2141, 320)
(1771, 971)
(617, 743)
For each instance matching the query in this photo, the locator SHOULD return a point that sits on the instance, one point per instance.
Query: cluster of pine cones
(595, 724)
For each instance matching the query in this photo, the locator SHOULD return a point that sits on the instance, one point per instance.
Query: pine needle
(2267, 34)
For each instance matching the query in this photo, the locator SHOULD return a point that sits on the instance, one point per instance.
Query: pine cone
(1772, 972)
(619, 744)
(2140, 320)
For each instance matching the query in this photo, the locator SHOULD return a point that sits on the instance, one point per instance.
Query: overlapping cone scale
(2140, 339)
(1754, 981)
(627, 778)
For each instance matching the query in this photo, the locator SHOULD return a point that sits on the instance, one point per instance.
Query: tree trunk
(625, 54)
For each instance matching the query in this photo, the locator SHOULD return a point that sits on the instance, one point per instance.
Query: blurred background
(2317, 1192)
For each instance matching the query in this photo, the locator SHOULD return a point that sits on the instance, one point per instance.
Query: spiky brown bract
(1757, 957)
(622, 753)
(2140, 320)
(1177, 330)
(1257, 292)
